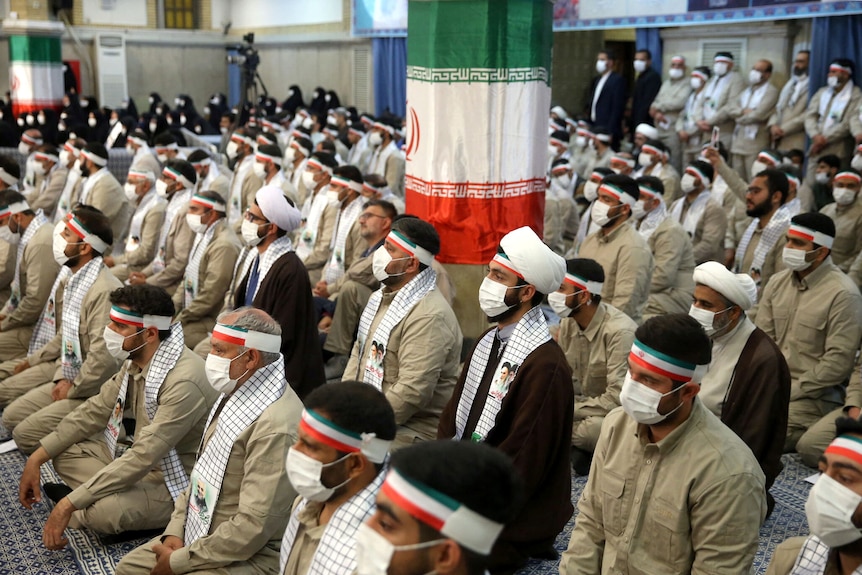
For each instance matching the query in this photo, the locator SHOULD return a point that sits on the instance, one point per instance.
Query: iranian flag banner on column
(478, 95)
(35, 73)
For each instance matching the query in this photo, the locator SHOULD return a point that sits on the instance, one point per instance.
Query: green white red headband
(410, 247)
(8, 178)
(171, 146)
(649, 191)
(839, 68)
(617, 193)
(129, 317)
(261, 157)
(299, 147)
(580, 283)
(347, 183)
(327, 432)
(819, 238)
(627, 161)
(651, 150)
(240, 139)
(663, 364)
(846, 446)
(316, 165)
(82, 232)
(503, 260)
(146, 174)
(98, 160)
(247, 338)
(176, 175)
(691, 170)
(848, 176)
(217, 205)
(15, 208)
(202, 162)
(382, 126)
(137, 140)
(442, 513)
(765, 155)
(31, 140)
(47, 156)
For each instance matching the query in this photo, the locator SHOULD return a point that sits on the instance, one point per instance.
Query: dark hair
(304, 143)
(183, 167)
(644, 51)
(830, 160)
(651, 182)
(352, 173)
(845, 63)
(609, 53)
(474, 474)
(96, 222)
(705, 70)
(817, 222)
(678, 335)
(270, 150)
(768, 64)
(197, 156)
(9, 197)
(48, 149)
(388, 207)
(145, 299)
(776, 181)
(326, 159)
(326, 146)
(588, 269)
(625, 183)
(215, 197)
(420, 232)
(795, 153)
(704, 168)
(560, 135)
(164, 139)
(10, 166)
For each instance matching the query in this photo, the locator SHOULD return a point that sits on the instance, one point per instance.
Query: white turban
(648, 131)
(560, 112)
(276, 208)
(738, 288)
(534, 260)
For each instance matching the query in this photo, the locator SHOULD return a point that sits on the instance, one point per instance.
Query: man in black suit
(647, 85)
(607, 100)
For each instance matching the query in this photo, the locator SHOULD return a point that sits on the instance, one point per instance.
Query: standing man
(751, 112)
(607, 99)
(720, 96)
(668, 105)
(787, 122)
(386, 160)
(688, 123)
(515, 393)
(647, 86)
(669, 481)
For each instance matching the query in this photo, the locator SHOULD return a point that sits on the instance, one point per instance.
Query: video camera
(246, 55)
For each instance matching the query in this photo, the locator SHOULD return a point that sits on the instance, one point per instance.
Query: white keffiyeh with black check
(46, 327)
(246, 258)
(192, 279)
(813, 557)
(15, 297)
(76, 290)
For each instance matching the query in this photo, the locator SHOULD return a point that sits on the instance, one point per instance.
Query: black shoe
(126, 536)
(581, 461)
(56, 491)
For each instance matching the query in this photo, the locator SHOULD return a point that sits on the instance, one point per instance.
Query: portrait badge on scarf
(500, 386)
(374, 364)
(202, 497)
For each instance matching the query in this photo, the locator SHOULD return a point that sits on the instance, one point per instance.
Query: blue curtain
(834, 37)
(650, 39)
(390, 75)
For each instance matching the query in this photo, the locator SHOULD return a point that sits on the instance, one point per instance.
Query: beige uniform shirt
(839, 140)
(848, 231)
(817, 324)
(672, 285)
(709, 234)
(751, 133)
(46, 196)
(420, 367)
(37, 272)
(184, 401)
(308, 535)
(178, 244)
(322, 242)
(670, 101)
(148, 243)
(253, 506)
(107, 195)
(791, 119)
(690, 504)
(628, 264)
(721, 96)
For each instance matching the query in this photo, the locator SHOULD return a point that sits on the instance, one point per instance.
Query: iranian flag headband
(218, 206)
(261, 157)
(580, 283)
(617, 193)
(178, 176)
(314, 164)
(335, 436)
(129, 317)
(98, 160)
(8, 178)
(846, 446)
(405, 245)
(810, 235)
(347, 183)
(82, 232)
(847, 176)
(663, 364)
(247, 338)
(649, 191)
(502, 259)
(839, 68)
(442, 513)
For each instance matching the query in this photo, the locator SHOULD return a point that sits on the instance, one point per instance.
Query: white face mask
(557, 301)
(492, 297)
(290, 155)
(832, 81)
(153, 127)
(161, 188)
(675, 73)
(720, 68)
(38, 169)
(696, 83)
(552, 151)
(591, 191)
(131, 192)
(564, 181)
(795, 259)
(162, 157)
(59, 245)
(688, 183)
(601, 66)
(856, 162)
(222, 130)
(645, 159)
(754, 77)
(706, 319)
(304, 473)
(641, 402)
(218, 373)
(374, 552)
(30, 120)
(232, 150)
(375, 139)
(617, 171)
(249, 233)
(182, 120)
(7, 235)
(380, 260)
(259, 170)
(331, 195)
(639, 66)
(639, 210)
(599, 214)
(64, 157)
(195, 223)
(308, 180)
(114, 344)
(756, 167)
(821, 177)
(23, 149)
(843, 196)
(829, 509)
(581, 142)
(91, 122)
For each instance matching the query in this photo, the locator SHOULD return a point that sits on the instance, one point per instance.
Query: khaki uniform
(709, 234)
(38, 270)
(214, 277)
(47, 195)
(250, 185)
(691, 113)
(598, 160)
(558, 217)
(145, 161)
(107, 196)
(670, 101)
(221, 186)
(668, 507)
(34, 414)
(839, 139)
(8, 257)
(723, 100)
(178, 244)
(817, 323)
(420, 367)
(848, 239)
(253, 505)
(751, 133)
(359, 269)
(784, 556)
(322, 242)
(733, 203)
(790, 117)
(129, 492)
(148, 244)
(308, 535)
(628, 264)
(598, 357)
(669, 177)
(672, 286)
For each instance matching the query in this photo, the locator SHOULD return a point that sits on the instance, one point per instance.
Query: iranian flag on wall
(478, 95)
(35, 73)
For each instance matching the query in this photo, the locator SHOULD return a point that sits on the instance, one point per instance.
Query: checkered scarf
(241, 409)
(653, 220)
(246, 258)
(773, 232)
(178, 202)
(531, 332)
(312, 211)
(191, 279)
(14, 299)
(165, 359)
(336, 552)
(694, 213)
(46, 327)
(813, 557)
(64, 206)
(89, 183)
(407, 297)
(148, 202)
(73, 296)
(346, 218)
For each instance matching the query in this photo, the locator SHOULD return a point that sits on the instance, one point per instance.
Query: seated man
(331, 506)
(237, 515)
(413, 328)
(701, 216)
(142, 239)
(833, 510)
(669, 482)
(596, 338)
(210, 268)
(314, 240)
(77, 351)
(748, 382)
(813, 311)
(156, 405)
(483, 494)
(515, 393)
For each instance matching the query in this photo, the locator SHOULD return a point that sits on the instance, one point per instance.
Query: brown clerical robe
(534, 428)
(285, 294)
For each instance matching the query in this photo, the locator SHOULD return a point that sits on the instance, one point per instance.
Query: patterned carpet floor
(23, 553)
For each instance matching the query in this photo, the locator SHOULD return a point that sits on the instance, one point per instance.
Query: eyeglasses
(253, 218)
(365, 216)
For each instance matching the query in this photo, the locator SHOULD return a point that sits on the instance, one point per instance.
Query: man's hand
(325, 324)
(163, 558)
(704, 126)
(21, 366)
(853, 412)
(61, 390)
(52, 535)
(776, 132)
(137, 278)
(683, 136)
(29, 487)
(818, 142)
(729, 256)
(109, 261)
(713, 156)
(320, 290)
(173, 542)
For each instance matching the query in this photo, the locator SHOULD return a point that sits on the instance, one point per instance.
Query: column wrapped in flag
(478, 95)
(35, 73)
